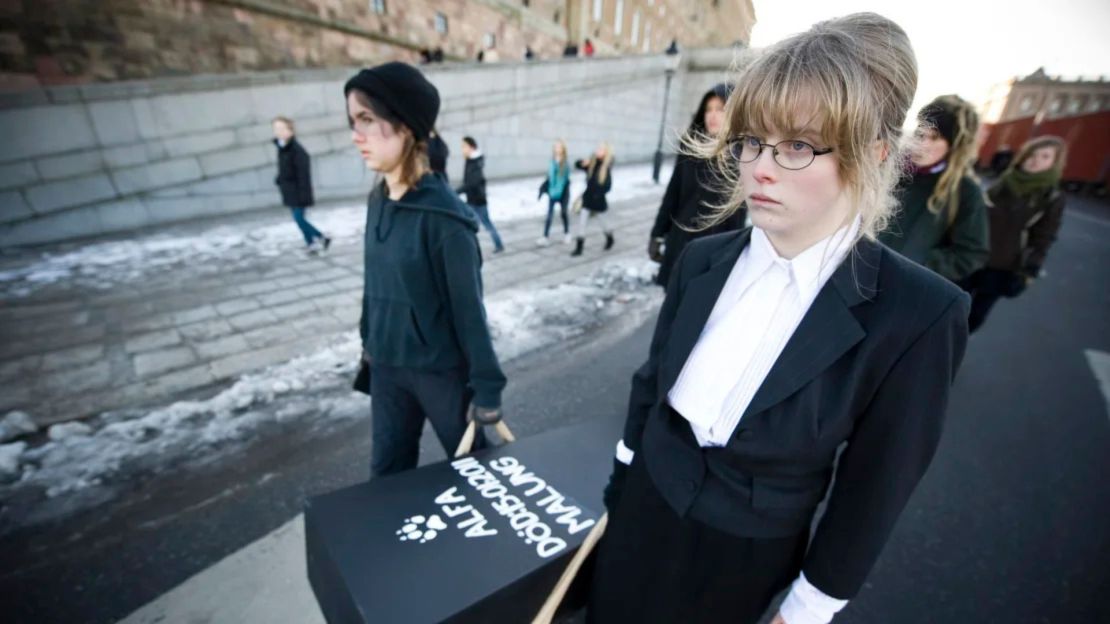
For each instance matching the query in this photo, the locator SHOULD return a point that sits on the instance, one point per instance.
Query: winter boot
(608, 241)
(578, 243)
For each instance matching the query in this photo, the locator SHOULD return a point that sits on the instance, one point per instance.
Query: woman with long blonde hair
(941, 221)
(599, 179)
(779, 344)
(557, 188)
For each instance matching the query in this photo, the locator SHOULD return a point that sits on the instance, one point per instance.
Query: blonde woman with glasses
(777, 345)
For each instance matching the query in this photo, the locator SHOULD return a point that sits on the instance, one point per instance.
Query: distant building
(75, 41)
(1038, 104)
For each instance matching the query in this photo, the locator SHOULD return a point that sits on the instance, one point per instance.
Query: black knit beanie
(404, 91)
(940, 115)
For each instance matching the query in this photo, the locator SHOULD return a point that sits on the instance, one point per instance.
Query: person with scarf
(1025, 213)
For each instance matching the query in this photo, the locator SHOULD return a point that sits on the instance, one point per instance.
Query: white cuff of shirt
(624, 454)
(805, 604)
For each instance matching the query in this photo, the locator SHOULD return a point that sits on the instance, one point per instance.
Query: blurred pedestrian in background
(593, 204)
(693, 191)
(941, 221)
(294, 179)
(1025, 211)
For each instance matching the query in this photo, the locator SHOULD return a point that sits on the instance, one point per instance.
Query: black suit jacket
(870, 364)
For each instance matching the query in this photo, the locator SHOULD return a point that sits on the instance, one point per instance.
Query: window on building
(647, 37)
(557, 16)
(1075, 104)
(618, 19)
(1095, 104)
(599, 8)
(441, 23)
(378, 6)
(1027, 104)
(635, 38)
(1057, 104)
(489, 40)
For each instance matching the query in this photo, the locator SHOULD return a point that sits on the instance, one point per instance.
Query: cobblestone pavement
(68, 351)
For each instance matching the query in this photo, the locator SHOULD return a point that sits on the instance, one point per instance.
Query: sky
(967, 46)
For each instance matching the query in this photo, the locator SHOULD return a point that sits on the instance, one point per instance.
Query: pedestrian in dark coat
(792, 362)
(941, 221)
(474, 188)
(437, 155)
(294, 180)
(694, 189)
(423, 327)
(594, 204)
(1025, 211)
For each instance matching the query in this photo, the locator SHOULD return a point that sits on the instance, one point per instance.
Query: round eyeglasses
(790, 154)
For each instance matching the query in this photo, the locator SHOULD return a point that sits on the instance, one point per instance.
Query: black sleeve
(460, 263)
(304, 177)
(887, 454)
(664, 219)
(644, 391)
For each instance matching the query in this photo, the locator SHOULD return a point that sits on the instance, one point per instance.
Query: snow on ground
(103, 265)
(80, 466)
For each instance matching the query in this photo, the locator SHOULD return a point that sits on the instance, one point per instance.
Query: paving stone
(235, 306)
(280, 297)
(72, 357)
(151, 341)
(221, 347)
(206, 330)
(154, 362)
(193, 315)
(250, 320)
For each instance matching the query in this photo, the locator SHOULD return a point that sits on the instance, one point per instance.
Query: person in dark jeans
(424, 333)
(474, 187)
(1025, 211)
(294, 178)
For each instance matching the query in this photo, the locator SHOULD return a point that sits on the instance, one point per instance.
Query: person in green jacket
(424, 331)
(1025, 212)
(941, 220)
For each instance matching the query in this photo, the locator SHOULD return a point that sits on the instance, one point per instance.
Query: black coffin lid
(361, 570)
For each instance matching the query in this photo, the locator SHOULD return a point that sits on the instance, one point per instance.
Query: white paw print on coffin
(421, 529)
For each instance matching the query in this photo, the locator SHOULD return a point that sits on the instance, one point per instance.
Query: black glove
(362, 379)
(655, 249)
(485, 416)
(613, 490)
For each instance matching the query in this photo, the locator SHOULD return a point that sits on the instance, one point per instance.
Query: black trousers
(654, 566)
(987, 286)
(402, 399)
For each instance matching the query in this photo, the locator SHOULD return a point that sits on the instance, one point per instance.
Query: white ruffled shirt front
(759, 309)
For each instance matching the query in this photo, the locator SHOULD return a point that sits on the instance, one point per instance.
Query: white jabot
(758, 310)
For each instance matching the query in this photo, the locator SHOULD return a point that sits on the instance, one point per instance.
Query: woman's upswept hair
(961, 157)
(1037, 143)
(847, 82)
(414, 157)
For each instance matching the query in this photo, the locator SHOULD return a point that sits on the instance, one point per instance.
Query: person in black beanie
(423, 326)
(941, 221)
(692, 193)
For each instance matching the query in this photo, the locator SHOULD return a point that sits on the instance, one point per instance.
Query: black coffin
(481, 539)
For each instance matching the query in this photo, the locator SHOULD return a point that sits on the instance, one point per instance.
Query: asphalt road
(1011, 524)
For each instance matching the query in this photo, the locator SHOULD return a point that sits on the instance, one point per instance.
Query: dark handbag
(362, 379)
(543, 188)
